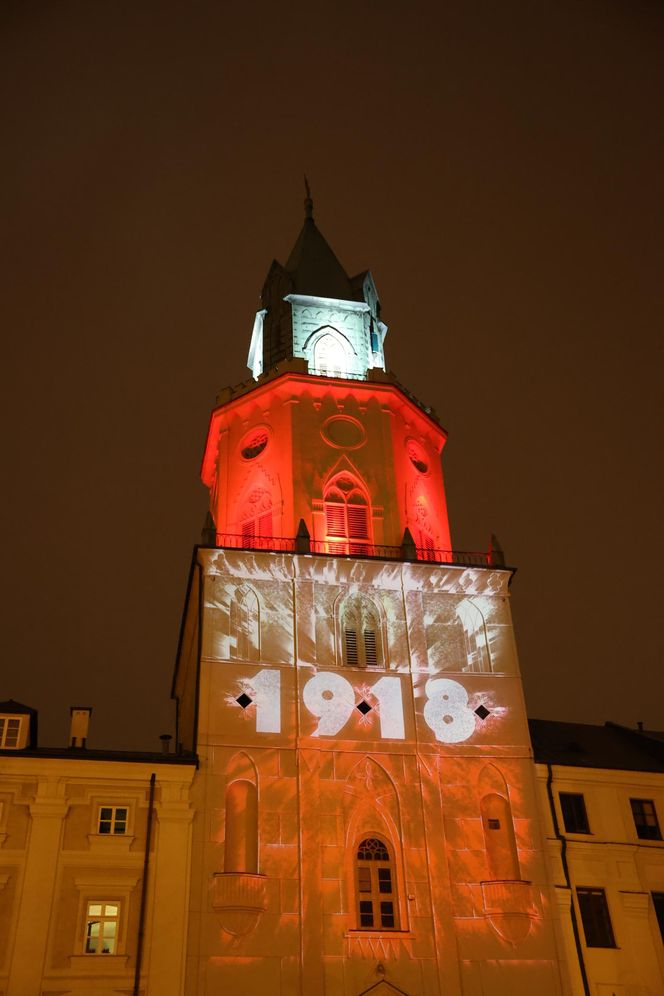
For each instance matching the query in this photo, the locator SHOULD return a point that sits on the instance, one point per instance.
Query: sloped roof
(582, 745)
(314, 268)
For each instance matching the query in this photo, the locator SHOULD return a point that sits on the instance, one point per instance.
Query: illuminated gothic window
(330, 356)
(245, 624)
(256, 520)
(376, 886)
(241, 844)
(101, 928)
(361, 633)
(346, 516)
(475, 637)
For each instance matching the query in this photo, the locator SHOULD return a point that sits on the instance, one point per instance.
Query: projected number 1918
(330, 697)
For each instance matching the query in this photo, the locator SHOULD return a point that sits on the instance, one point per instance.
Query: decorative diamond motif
(482, 712)
(363, 707)
(244, 700)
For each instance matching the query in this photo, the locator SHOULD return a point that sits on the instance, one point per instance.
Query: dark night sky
(499, 168)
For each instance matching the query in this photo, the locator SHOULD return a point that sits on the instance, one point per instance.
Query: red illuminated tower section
(365, 807)
(324, 443)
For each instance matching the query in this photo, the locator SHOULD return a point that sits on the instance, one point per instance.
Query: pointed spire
(312, 264)
(308, 203)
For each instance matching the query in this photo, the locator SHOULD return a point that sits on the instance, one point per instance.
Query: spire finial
(308, 203)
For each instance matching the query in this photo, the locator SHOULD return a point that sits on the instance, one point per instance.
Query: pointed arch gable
(346, 510)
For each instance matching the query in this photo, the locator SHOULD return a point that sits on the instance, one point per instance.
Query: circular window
(254, 443)
(417, 456)
(343, 432)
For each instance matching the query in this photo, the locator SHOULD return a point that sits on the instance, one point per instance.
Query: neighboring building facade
(601, 794)
(73, 830)
(365, 811)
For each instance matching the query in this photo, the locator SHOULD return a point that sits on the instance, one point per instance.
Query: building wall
(474, 915)
(314, 429)
(613, 858)
(54, 861)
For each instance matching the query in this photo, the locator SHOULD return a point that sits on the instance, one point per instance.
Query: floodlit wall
(610, 857)
(272, 453)
(435, 766)
(64, 870)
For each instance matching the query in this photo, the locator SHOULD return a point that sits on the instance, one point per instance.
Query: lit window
(101, 928)
(376, 889)
(10, 732)
(573, 807)
(346, 517)
(113, 819)
(645, 819)
(595, 918)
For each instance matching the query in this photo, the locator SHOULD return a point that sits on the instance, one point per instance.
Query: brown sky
(499, 168)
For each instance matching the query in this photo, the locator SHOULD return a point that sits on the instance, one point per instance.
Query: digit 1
(266, 686)
(330, 697)
(390, 702)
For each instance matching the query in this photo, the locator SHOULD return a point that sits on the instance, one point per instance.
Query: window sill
(110, 842)
(96, 964)
(358, 932)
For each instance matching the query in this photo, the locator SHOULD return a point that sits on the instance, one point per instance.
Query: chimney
(639, 726)
(78, 725)
(165, 742)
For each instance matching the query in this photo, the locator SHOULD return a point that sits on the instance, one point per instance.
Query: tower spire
(308, 203)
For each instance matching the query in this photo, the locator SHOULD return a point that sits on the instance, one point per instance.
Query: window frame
(344, 538)
(102, 918)
(114, 809)
(5, 721)
(374, 866)
(573, 812)
(595, 917)
(638, 806)
(658, 906)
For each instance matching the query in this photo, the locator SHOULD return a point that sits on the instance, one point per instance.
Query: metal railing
(360, 551)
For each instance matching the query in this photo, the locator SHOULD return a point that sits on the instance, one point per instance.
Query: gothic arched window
(241, 844)
(346, 516)
(376, 886)
(330, 356)
(245, 624)
(475, 637)
(361, 633)
(499, 839)
(256, 520)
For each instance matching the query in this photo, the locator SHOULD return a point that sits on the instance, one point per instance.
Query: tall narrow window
(101, 928)
(245, 623)
(573, 807)
(256, 524)
(241, 846)
(346, 517)
(474, 636)
(500, 842)
(361, 633)
(595, 917)
(376, 887)
(645, 819)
